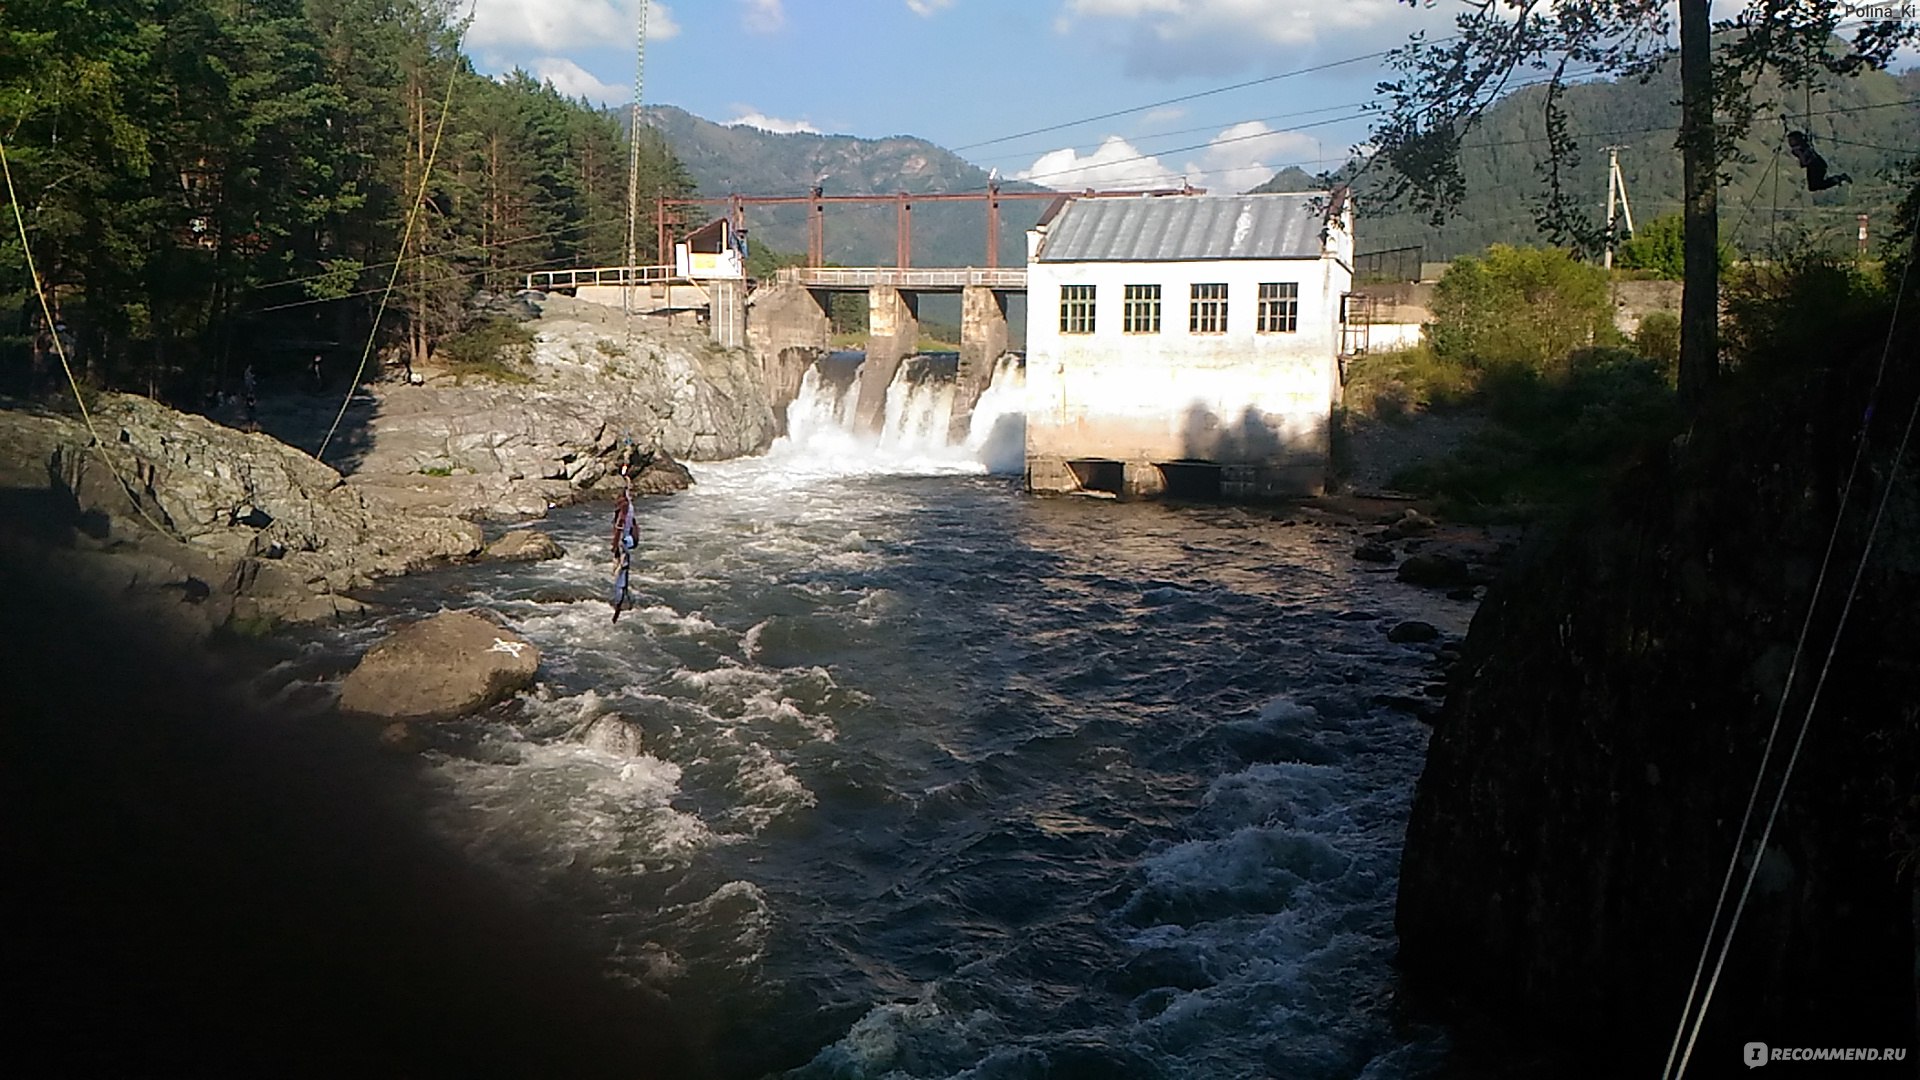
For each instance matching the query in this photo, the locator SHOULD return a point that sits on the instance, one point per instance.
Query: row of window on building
(1278, 310)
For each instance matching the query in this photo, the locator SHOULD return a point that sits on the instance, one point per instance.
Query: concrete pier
(893, 329)
(727, 316)
(788, 329)
(983, 340)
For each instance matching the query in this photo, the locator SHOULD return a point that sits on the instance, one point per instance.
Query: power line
(1263, 80)
(461, 249)
(1362, 104)
(458, 275)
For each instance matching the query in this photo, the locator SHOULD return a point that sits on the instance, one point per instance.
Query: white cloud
(753, 118)
(552, 25)
(1240, 157)
(1166, 114)
(925, 8)
(763, 16)
(1116, 164)
(1170, 38)
(575, 81)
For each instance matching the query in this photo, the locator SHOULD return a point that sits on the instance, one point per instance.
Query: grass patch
(1396, 386)
(436, 470)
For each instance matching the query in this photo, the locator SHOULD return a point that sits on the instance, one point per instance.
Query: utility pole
(633, 166)
(1862, 219)
(1616, 189)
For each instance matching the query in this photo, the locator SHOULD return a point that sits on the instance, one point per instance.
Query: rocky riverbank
(512, 442)
(209, 527)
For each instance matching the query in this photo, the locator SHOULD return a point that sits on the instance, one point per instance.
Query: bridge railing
(549, 280)
(909, 278)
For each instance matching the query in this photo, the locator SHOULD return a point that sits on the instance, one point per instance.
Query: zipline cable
(60, 350)
(413, 217)
(1793, 758)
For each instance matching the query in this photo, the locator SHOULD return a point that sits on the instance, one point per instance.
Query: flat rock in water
(524, 545)
(439, 668)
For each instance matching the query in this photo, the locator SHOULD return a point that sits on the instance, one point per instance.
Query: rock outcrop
(227, 528)
(440, 668)
(478, 445)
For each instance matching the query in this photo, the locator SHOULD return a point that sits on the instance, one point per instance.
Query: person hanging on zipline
(1803, 152)
(624, 539)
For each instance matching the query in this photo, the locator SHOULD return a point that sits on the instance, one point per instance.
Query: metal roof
(1185, 227)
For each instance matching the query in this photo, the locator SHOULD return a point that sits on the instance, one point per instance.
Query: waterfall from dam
(915, 433)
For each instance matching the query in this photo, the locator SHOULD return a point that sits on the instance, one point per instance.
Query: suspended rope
(1692, 1034)
(633, 174)
(406, 237)
(60, 351)
(1773, 166)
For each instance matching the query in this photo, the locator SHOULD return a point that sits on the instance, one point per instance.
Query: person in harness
(625, 529)
(1816, 166)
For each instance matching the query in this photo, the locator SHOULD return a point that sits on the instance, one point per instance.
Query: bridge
(785, 321)
(913, 279)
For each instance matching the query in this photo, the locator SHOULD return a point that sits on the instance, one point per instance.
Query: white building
(1186, 343)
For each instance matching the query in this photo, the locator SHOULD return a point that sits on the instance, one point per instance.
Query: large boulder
(524, 545)
(442, 667)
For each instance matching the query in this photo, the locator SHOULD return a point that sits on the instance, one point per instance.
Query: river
(942, 780)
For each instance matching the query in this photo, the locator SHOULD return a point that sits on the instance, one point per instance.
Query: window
(1207, 314)
(1141, 313)
(1279, 307)
(1076, 309)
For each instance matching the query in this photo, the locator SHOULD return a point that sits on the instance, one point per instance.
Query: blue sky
(966, 74)
(963, 72)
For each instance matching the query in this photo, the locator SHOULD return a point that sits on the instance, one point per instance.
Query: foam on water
(1024, 788)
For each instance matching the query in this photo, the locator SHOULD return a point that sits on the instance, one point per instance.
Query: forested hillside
(1864, 126)
(203, 182)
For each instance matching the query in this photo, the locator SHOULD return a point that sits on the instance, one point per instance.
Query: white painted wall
(1387, 337)
(1175, 394)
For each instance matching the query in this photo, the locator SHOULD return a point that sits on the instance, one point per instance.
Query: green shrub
(494, 348)
(1659, 250)
(1658, 338)
(1524, 307)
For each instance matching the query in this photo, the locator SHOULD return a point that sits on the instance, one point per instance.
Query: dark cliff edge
(1601, 734)
(196, 884)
